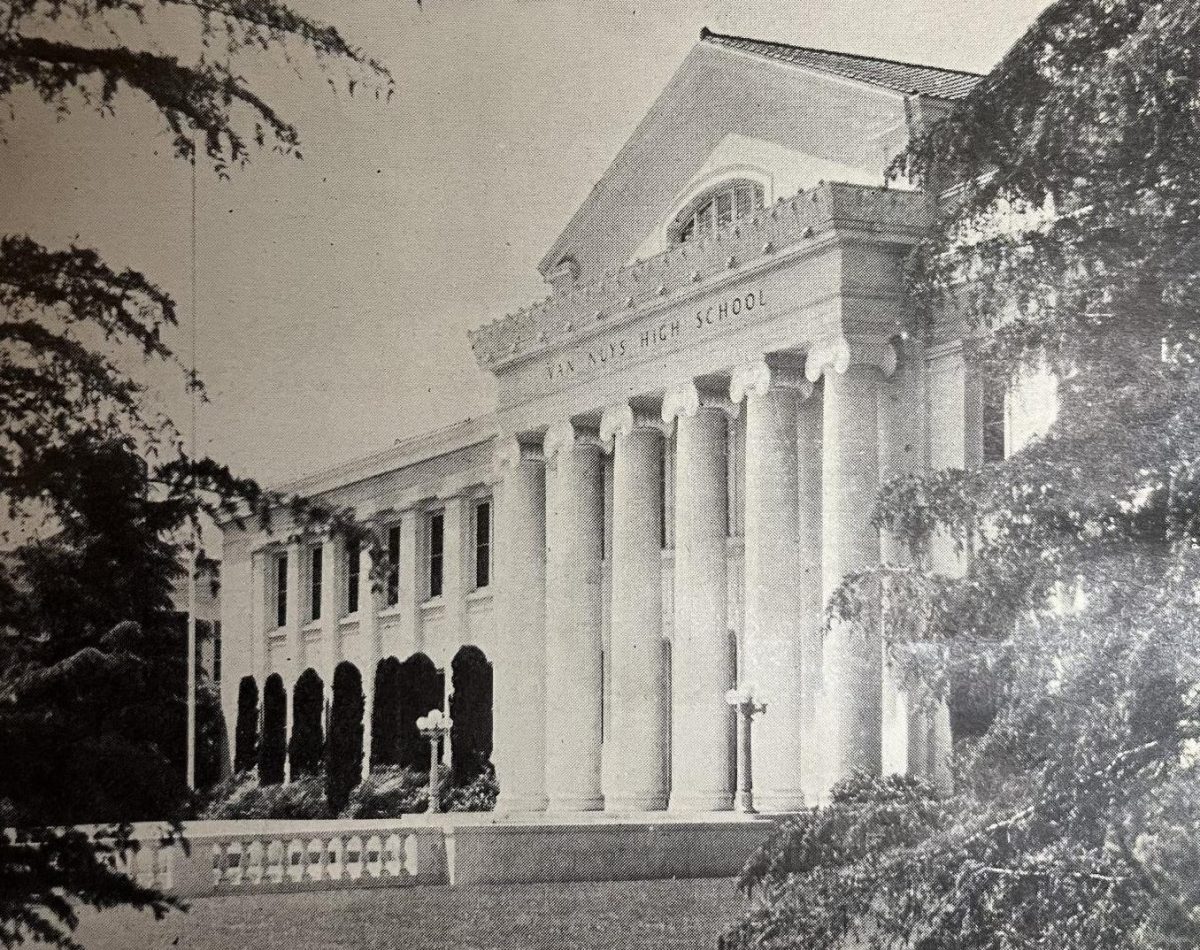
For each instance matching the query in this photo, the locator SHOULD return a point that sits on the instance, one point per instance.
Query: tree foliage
(98, 484)
(1069, 242)
(344, 750)
(307, 744)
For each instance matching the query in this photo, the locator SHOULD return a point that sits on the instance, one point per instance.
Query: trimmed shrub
(344, 751)
(385, 714)
(245, 748)
(470, 714)
(421, 687)
(273, 748)
(308, 739)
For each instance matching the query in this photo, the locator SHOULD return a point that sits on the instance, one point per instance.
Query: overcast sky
(335, 292)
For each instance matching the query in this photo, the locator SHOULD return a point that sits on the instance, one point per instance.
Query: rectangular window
(216, 628)
(436, 544)
(393, 566)
(993, 416)
(281, 591)
(315, 583)
(353, 573)
(483, 544)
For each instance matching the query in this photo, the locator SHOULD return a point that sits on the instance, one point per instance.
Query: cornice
(818, 214)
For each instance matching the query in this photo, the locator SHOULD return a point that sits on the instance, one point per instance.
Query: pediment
(727, 110)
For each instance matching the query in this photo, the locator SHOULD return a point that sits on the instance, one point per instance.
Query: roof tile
(932, 81)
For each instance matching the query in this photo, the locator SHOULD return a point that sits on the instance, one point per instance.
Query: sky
(335, 292)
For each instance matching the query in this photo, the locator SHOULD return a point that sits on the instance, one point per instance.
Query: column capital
(840, 353)
(622, 419)
(759, 376)
(511, 452)
(565, 435)
(688, 399)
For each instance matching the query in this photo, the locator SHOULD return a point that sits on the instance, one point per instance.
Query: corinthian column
(773, 651)
(574, 664)
(701, 657)
(640, 705)
(854, 372)
(520, 660)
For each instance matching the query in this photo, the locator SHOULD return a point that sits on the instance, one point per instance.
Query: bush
(242, 797)
(389, 793)
(308, 707)
(273, 749)
(479, 795)
(344, 752)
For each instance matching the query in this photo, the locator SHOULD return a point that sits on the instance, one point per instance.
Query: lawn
(664, 915)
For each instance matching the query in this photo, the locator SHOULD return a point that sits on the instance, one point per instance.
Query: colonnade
(814, 445)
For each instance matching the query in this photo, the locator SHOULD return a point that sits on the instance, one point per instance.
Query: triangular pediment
(783, 116)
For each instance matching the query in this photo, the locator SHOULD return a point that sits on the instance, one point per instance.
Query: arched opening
(420, 687)
(308, 711)
(272, 749)
(715, 208)
(344, 751)
(471, 714)
(385, 714)
(245, 741)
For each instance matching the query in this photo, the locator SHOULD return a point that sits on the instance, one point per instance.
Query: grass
(622, 915)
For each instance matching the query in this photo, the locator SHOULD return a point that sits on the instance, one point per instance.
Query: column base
(780, 802)
(700, 801)
(635, 801)
(559, 803)
(509, 804)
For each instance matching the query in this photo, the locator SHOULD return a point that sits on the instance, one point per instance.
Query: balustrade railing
(293, 856)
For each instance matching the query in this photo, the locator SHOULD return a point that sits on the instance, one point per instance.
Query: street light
(741, 698)
(434, 726)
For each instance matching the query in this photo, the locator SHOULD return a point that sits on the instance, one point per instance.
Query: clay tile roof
(900, 77)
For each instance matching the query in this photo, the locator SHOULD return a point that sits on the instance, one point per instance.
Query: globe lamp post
(434, 726)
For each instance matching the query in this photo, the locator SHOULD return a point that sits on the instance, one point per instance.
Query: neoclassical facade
(689, 436)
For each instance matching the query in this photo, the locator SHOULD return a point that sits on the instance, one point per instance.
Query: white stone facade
(681, 468)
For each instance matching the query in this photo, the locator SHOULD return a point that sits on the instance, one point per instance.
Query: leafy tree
(245, 754)
(1071, 242)
(385, 714)
(470, 715)
(272, 750)
(308, 711)
(344, 750)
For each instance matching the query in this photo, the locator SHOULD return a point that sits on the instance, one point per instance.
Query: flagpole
(194, 546)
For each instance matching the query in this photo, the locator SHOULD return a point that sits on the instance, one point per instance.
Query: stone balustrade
(575, 312)
(260, 857)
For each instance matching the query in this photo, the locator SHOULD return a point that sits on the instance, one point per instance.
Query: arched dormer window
(727, 202)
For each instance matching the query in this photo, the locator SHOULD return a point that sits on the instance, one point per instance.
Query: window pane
(483, 544)
(436, 538)
(724, 208)
(352, 576)
(393, 578)
(281, 590)
(316, 583)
